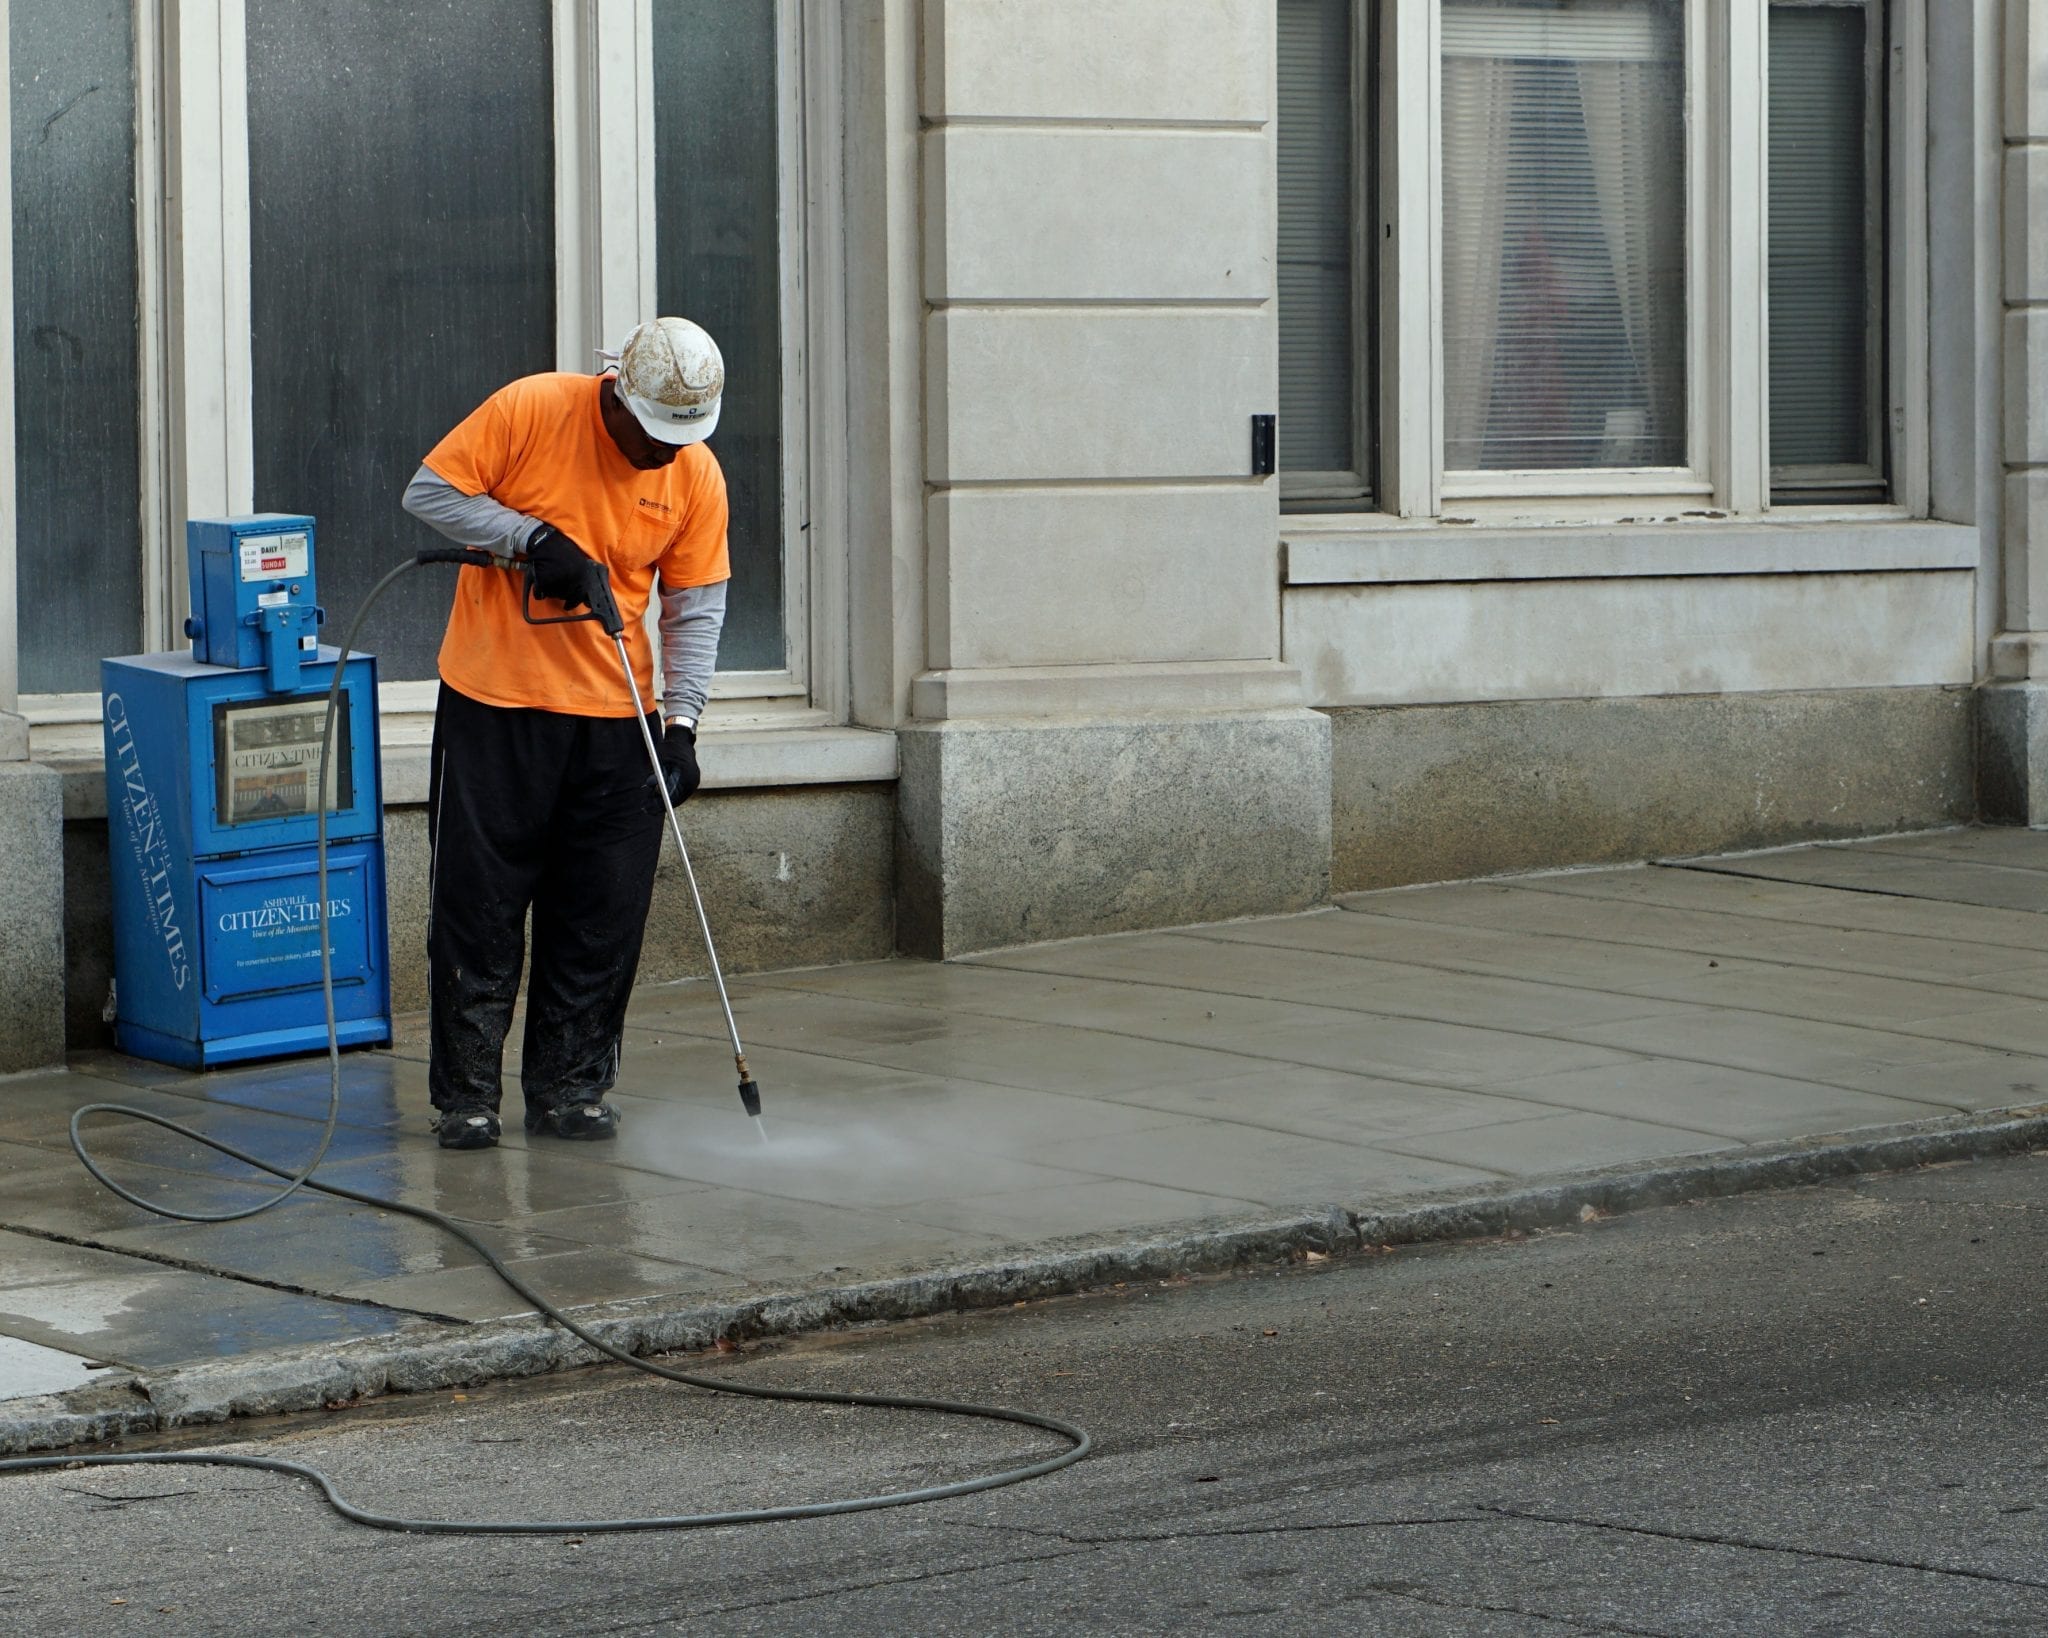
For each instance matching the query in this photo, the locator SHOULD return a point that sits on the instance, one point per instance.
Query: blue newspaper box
(212, 821)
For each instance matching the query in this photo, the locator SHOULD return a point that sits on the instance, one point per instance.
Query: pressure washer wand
(604, 609)
(750, 1092)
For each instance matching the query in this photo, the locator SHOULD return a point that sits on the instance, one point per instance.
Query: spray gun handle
(597, 586)
(604, 608)
(597, 592)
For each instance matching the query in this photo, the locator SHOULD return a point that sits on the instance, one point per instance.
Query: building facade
(1661, 393)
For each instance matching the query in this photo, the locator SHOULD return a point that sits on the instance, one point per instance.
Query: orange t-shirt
(540, 447)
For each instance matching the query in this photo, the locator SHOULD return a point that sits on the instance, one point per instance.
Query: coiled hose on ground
(1079, 1441)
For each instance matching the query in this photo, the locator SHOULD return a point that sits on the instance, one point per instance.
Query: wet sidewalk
(1396, 1046)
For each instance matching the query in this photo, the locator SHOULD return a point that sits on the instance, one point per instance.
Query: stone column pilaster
(2014, 775)
(1103, 733)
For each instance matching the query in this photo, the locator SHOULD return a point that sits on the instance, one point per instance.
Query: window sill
(747, 751)
(744, 694)
(1344, 552)
(735, 756)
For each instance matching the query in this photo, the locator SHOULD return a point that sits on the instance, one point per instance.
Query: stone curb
(432, 1356)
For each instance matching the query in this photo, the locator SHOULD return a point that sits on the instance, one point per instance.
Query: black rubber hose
(1080, 1442)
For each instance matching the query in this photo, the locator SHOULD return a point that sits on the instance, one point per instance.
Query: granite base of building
(791, 878)
(2012, 753)
(1443, 793)
(31, 917)
(1013, 831)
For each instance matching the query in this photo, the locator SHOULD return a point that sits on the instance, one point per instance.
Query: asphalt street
(1816, 1412)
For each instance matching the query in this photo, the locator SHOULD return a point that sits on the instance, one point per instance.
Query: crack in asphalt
(1135, 1539)
(1416, 1595)
(840, 1590)
(1087, 1546)
(1387, 1589)
(1749, 1544)
(1078, 1546)
(124, 1500)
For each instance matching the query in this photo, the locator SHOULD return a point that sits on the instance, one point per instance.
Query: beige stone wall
(1098, 268)
(2014, 745)
(2026, 324)
(1103, 734)
(1616, 638)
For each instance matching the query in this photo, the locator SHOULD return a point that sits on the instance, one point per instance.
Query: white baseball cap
(672, 377)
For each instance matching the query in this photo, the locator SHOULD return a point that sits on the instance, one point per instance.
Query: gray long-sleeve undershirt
(691, 616)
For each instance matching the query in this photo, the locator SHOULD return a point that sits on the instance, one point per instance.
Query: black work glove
(678, 763)
(560, 568)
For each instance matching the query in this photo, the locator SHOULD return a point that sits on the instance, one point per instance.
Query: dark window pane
(401, 177)
(718, 260)
(78, 519)
(1825, 312)
(1317, 133)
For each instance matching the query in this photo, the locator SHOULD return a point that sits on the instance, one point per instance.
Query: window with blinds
(1826, 252)
(1564, 234)
(1326, 373)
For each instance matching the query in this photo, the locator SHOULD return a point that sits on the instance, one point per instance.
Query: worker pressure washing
(549, 786)
(541, 794)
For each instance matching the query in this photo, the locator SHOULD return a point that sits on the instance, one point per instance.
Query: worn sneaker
(470, 1128)
(593, 1122)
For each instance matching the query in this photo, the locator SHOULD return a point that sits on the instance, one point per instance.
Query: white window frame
(196, 387)
(1728, 471)
(1692, 479)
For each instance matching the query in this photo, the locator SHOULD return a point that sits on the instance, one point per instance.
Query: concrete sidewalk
(1434, 1044)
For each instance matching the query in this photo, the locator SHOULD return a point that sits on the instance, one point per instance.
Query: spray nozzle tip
(750, 1097)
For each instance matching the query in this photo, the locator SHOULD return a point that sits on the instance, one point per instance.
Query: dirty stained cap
(672, 377)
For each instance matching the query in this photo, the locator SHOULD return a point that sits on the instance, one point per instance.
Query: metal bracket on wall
(1265, 441)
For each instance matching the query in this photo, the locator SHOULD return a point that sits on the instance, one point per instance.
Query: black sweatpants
(541, 809)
